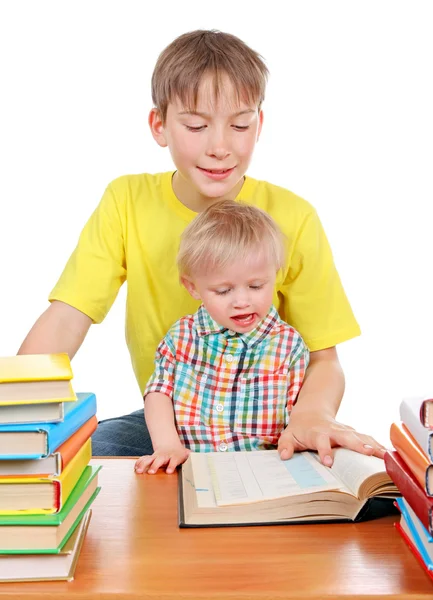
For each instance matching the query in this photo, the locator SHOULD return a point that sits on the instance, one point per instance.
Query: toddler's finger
(174, 461)
(142, 464)
(158, 462)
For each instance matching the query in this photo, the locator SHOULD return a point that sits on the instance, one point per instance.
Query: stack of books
(410, 466)
(46, 483)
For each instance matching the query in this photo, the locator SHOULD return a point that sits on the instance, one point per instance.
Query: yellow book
(35, 379)
(42, 495)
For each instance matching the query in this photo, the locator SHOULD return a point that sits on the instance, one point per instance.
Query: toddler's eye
(256, 287)
(221, 292)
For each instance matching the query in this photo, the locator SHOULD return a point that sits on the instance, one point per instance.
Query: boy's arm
(167, 447)
(61, 328)
(312, 422)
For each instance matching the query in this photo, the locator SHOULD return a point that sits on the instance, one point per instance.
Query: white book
(46, 567)
(410, 414)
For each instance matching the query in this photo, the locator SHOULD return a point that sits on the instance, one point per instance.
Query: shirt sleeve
(298, 366)
(96, 269)
(312, 297)
(162, 378)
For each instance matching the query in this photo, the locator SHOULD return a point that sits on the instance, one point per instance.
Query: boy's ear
(259, 131)
(189, 285)
(157, 127)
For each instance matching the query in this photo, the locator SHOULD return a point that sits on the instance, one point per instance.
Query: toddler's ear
(189, 284)
(157, 127)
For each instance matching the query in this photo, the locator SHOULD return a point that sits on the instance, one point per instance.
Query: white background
(348, 126)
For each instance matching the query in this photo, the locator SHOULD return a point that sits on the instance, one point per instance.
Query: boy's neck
(195, 201)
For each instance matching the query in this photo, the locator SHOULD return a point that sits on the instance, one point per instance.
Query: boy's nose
(219, 153)
(218, 146)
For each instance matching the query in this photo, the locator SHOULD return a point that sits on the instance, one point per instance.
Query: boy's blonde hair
(181, 67)
(225, 232)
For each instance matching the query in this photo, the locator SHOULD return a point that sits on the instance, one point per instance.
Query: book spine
(412, 454)
(72, 445)
(81, 412)
(414, 550)
(414, 532)
(70, 476)
(57, 495)
(410, 489)
(410, 414)
(427, 413)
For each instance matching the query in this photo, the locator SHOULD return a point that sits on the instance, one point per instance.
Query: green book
(47, 534)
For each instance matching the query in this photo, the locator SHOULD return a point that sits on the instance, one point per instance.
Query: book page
(245, 477)
(201, 481)
(353, 468)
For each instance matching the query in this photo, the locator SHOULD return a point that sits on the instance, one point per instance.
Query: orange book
(413, 455)
(55, 463)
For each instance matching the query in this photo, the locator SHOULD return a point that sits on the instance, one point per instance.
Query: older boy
(208, 88)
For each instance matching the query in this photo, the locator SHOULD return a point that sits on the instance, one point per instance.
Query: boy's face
(211, 147)
(240, 295)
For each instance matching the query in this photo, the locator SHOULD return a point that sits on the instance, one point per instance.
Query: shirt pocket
(261, 405)
(192, 394)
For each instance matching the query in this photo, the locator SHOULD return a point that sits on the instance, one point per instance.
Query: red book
(421, 504)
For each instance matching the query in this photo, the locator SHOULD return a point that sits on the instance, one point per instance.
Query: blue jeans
(122, 436)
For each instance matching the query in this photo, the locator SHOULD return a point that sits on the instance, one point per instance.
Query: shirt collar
(205, 326)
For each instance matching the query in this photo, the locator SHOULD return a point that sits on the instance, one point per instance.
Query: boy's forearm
(61, 328)
(159, 415)
(323, 386)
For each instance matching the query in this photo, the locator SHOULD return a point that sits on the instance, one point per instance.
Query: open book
(259, 488)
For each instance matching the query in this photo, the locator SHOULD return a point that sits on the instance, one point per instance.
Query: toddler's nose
(241, 302)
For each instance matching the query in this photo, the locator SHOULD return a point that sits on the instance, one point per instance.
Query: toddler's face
(212, 146)
(239, 296)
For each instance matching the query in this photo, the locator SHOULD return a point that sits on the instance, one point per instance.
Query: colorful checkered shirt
(230, 391)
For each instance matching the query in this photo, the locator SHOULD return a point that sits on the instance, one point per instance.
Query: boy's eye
(199, 128)
(241, 127)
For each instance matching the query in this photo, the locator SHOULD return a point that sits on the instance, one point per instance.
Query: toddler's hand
(172, 457)
(319, 432)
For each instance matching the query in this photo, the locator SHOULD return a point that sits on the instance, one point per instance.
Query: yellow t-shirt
(134, 235)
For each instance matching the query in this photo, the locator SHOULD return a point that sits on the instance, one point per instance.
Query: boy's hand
(318, 432)
(172, 457)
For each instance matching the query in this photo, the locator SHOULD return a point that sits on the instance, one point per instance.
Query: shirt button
(231, 332)
(219, 407)
(229, 358)
(222, 447)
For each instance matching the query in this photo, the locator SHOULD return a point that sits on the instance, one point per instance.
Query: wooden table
(134, 549)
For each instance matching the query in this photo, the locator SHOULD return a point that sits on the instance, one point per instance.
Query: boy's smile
(211, 144)
(217, 174)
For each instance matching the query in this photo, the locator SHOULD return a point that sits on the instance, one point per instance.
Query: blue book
(38, 440)
(416, 532)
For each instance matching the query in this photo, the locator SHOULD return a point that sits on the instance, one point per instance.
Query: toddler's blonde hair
(229, 231)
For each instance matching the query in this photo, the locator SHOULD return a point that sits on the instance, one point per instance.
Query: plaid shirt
(230, 391)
